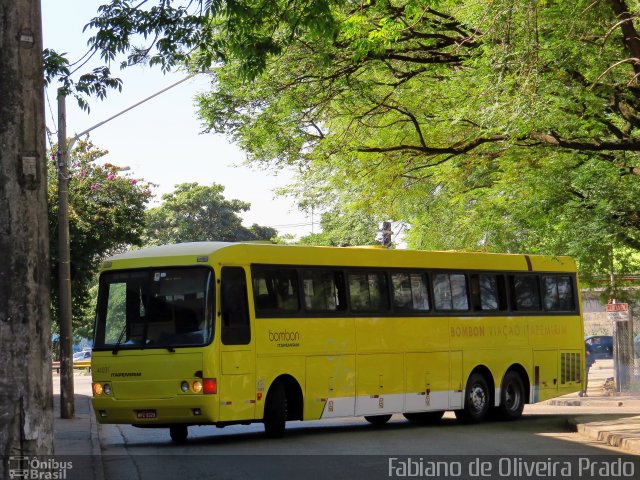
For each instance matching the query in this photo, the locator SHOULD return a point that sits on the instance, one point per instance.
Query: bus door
(237, 390)
(545, 374)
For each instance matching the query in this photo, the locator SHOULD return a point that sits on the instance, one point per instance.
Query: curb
(96, 449)
(580, 402)
(602, 432)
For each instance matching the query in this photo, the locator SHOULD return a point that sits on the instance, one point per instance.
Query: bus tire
(377, 420)
(275, 411)
(179, 433)
(511, 397)
(424, 418)
(477, 400)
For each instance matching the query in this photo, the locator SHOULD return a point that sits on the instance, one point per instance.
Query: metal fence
(625, 354)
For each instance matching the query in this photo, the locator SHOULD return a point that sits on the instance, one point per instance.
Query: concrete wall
(597, 324)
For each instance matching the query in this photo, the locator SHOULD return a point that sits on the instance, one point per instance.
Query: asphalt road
(347, 448)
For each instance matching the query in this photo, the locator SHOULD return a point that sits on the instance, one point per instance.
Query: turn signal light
(210, 386)
(97, 389)
(196, 386)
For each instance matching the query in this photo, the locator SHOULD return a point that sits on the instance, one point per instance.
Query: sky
(161, 140)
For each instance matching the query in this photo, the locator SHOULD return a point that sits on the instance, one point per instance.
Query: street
(339, 448)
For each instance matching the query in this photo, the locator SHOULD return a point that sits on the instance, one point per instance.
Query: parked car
(601, 346)
(83, 356)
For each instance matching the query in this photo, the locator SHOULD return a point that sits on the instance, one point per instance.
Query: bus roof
(257, 253)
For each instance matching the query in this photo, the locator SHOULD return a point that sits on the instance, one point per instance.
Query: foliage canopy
(495, 125)
(106, 214)
(197, 213)
(501, 126)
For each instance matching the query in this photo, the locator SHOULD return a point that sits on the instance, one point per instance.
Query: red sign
(617, 307)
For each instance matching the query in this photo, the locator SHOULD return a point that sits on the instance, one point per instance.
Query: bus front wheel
(179, 433)
(275, 411)
(377, 420)
(511, 397)
(477, 400)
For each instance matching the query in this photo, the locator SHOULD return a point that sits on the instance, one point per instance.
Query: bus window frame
(210, 307)
(452, 311)
(275, 312)
(227, 330)
(341, 287)
(502, 293)
(512, 293)
(428, 274)
(412, 312)
(572, 279)
(368, 271)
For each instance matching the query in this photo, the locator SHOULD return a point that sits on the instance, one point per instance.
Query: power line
(53, 119)
(295, 225)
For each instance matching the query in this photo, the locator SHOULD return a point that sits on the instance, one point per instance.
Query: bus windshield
(154, 308)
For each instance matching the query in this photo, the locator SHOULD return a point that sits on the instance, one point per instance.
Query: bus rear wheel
(275, 411)
(511, 397)
(377, 420)
(179, 433)
(477, 400)
(424, 418)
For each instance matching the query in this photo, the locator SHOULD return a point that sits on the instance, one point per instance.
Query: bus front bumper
(187, 409)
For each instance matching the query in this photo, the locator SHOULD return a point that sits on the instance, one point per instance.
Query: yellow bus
(219, 333)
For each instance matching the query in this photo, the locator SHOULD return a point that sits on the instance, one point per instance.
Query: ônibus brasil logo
(38, 468)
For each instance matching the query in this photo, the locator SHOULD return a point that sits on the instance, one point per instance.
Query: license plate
(146, 414)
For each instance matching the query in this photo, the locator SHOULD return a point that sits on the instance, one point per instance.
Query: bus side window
(525, 292)
(275, 290)
(488, 292)
(450, 291)
(409, 292)
(323, 290)
(558, 293)
(236, 328)
(368, 292)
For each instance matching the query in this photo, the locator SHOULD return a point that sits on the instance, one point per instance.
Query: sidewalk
(78, 436)
(610, 429)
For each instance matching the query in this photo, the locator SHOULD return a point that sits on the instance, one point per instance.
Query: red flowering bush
(106, 214)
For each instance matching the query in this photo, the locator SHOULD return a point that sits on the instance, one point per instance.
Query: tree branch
(553, 139)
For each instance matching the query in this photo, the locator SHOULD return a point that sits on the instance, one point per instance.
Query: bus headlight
(184, 386)
(97, 389)
(196, 386)
(106, 389)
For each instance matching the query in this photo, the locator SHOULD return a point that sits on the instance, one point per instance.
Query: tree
(26, 400)
(381, 100)
(106, 215)
(344, 229)
(193, 213)
(497, 126)
(177, 33)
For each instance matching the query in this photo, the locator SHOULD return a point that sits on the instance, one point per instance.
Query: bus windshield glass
(154, 308)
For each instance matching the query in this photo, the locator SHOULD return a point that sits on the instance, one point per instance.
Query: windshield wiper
(115, 348)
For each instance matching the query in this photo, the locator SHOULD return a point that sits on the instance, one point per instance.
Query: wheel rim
(478, 397)
(512, 397)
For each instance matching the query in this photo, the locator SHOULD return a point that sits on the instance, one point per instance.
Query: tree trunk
(26, 402)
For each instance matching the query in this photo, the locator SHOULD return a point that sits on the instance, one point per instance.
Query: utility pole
(64, 255)
(64, 266)
(26, 399)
